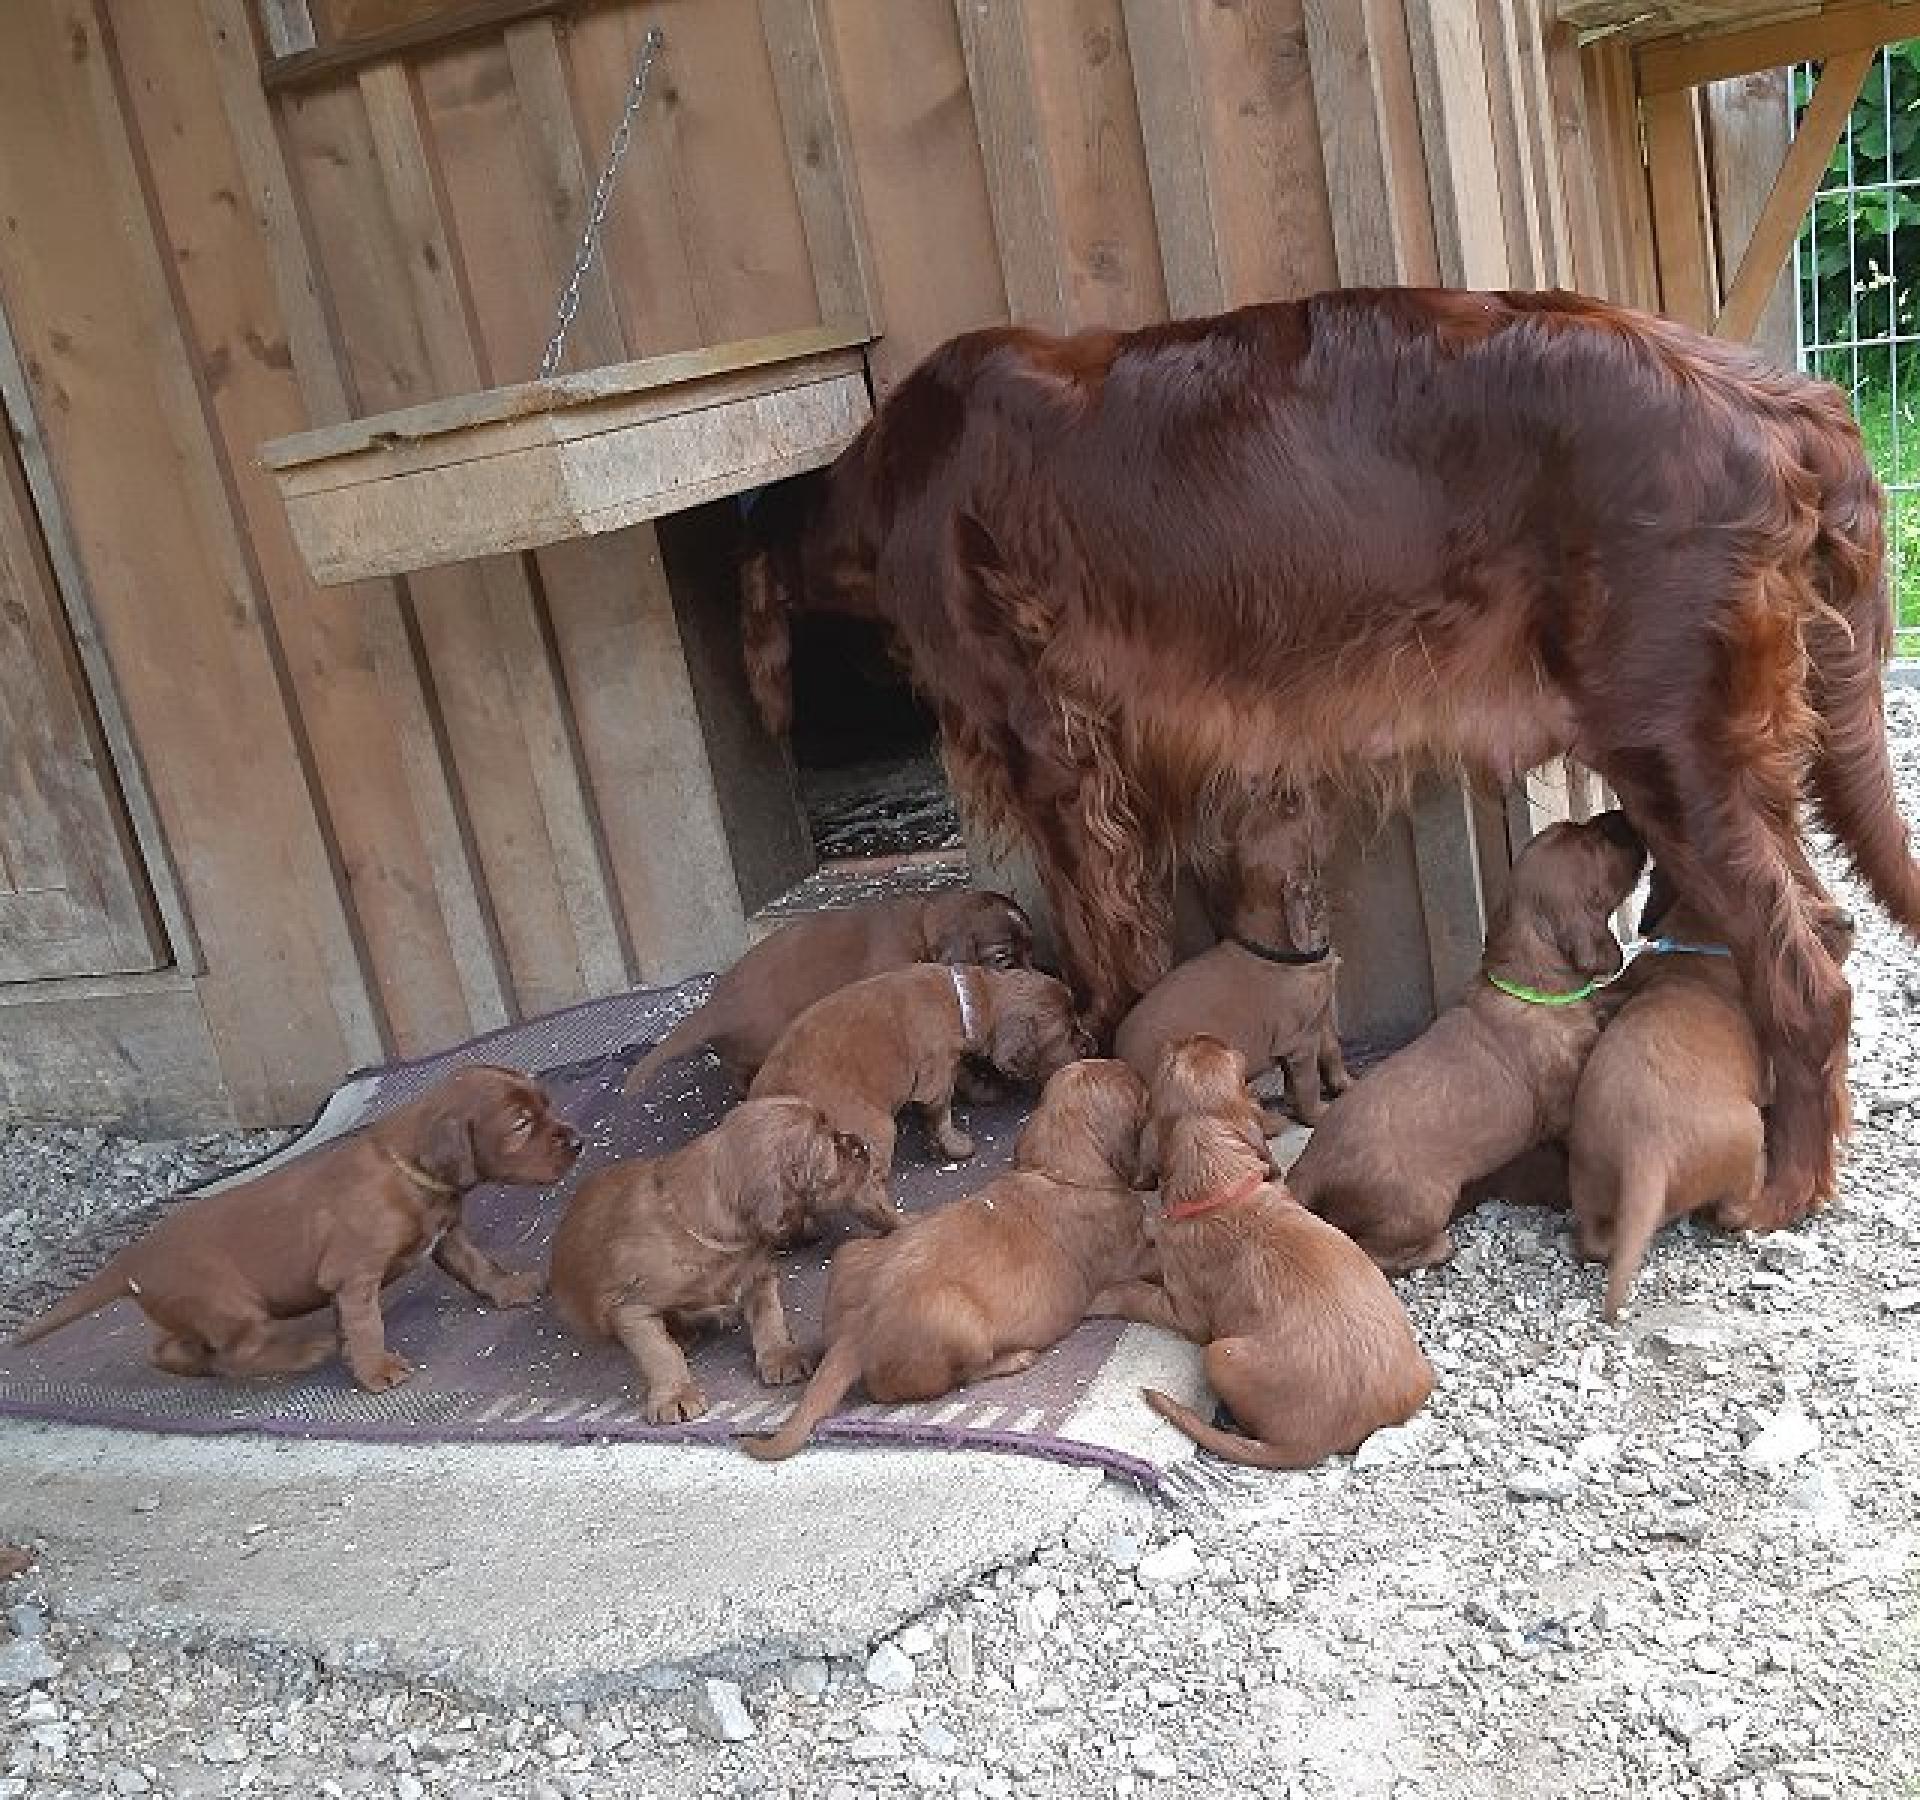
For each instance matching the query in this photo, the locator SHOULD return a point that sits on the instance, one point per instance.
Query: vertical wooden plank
(1677, 182)
(1166, 83)
(1581, 161)
(232, 309)
(936, 269)
(1261, 139)
(1509, 103)
(1019, 182)
(1639, 265)
(285, 989)
(819, 160)
(1456, 123)
(1370, 136)
(1103, 204)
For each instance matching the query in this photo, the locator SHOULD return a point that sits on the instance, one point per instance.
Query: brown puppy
(1495, 1074)
(1668, 1119)
(1199, 1075)
(979, 1288)
(1306, 1342)
(1267, 987)
(786, 972)
(659, 1247)
(224, 1277)
(899, 1039)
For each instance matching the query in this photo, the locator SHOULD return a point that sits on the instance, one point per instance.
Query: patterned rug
(485, 1374)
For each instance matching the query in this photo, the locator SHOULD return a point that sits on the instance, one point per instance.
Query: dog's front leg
(478, 1273)
(363, 1332)
(672, 1396)
(953, 1142)
(1303, 1087)
(1142, 1302)
(1334, 1077)
(778, 1359)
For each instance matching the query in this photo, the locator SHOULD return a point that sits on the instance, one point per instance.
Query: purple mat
(484, 1374)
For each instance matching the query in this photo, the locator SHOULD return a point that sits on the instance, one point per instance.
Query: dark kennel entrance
(864, 747)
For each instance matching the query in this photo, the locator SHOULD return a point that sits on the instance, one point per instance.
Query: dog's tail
(1848, 640)
(839, 1369)
(105, 1288)
(1250, 1453)
(1637, 1213)
(685, 1038)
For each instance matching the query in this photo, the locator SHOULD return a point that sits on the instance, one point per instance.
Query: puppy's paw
(782, 1368)
(1336, 1084)
(522, 1288)
(955, 1145)
(389, 1372)
(676, 1408)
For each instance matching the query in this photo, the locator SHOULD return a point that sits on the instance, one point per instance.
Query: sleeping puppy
(786, 972)
(1495, 1074)
(230, 1280)
(1306, 1343)
(979, 1288)
(1667, 1120)
(662, 1246)
(899, 1039)
(1267, 987)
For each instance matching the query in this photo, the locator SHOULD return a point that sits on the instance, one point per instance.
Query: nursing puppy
(1495, 1074)
(658, 1248)
(1267, 987)
(1306, 1342)
(1667, 1120)
(787, 971)
(230, 1280)
(981, 1287)
(899, 1040)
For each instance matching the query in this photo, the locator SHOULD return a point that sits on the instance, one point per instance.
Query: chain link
(602, 197)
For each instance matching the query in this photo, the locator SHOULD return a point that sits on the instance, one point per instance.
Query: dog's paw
(782, 1368)
(521, 1289)
(389, 1372)
(676, 1408)
(956, 1146)
(1333, 1086)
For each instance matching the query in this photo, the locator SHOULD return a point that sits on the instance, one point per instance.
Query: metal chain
(602, 197)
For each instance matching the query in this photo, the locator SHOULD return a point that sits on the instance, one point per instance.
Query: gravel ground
(1671, 1559)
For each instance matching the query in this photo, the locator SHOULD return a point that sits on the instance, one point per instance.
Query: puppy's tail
(105, 1288)
(685, 1038)
(839, 1369)
(1250, 1453)
(1636, 1217)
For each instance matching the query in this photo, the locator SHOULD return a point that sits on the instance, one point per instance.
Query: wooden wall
(378, 819)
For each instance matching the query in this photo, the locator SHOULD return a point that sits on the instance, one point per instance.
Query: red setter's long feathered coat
(1366, 533)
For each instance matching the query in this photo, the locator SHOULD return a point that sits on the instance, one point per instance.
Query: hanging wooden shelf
(517, 467)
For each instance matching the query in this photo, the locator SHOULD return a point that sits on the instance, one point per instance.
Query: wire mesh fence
(1857, 275)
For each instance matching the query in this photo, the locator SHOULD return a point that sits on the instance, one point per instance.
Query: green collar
(1534, 997)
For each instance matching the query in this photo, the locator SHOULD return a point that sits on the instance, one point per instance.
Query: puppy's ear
(448, 1154)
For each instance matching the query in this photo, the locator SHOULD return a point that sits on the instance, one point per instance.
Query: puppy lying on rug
(1494, 1075)
(658, 1247)
(981, 1287)
(899, 1040)
(1667, 1120)
(230, 1280)
(1267, 987)
(786, 972)
(1306, 1342)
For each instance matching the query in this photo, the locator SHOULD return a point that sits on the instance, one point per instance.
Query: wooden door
(72, 901)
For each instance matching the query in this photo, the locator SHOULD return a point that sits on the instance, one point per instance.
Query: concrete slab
(521, 1570)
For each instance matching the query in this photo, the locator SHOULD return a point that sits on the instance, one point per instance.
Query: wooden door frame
(179, 948)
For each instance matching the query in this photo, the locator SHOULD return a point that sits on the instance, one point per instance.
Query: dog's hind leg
(275, 1347)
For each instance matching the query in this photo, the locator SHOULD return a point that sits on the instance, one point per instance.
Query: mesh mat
(482, 1374)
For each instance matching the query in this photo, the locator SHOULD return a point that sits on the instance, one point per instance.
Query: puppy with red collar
(1306, 1341)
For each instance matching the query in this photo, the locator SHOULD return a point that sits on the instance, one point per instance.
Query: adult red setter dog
(1366, 533)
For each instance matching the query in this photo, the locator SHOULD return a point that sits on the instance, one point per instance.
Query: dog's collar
(1217, 1201)
(1540, 997)
(1666, 946)
(1290, 959)
(419, 1177)
(968, 1018)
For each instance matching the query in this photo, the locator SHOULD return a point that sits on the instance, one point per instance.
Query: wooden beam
(1667, 68)
(1166, 81)
(1464, 170)
(304, 68)
(1792, 193)
(1677, 180)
